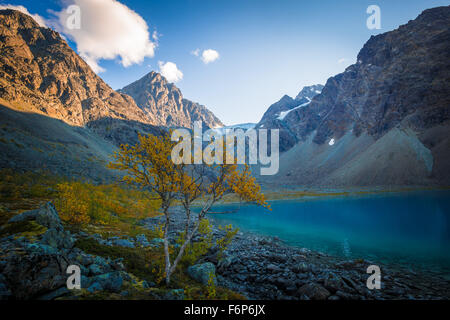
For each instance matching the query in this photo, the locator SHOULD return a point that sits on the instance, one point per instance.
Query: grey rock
(175, 294)
(313, 291)
(58, 238)
(302, 267)
(96, 286)
(94, 269)
(85, 259)
(123, 243)
(225, 263)
(142, 240)
(333, 282)
(46, 216)
(112, 281)
(273, 268)
(40, 248)
(156, 242)
(148, 284)
(202, 272)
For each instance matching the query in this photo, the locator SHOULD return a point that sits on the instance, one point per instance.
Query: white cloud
(36, 17)
(196, 52)
(170, 71)
(342, 60)
(155, 36)
(209, 55)
(108, 30)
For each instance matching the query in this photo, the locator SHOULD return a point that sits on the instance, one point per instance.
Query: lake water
(407, 229)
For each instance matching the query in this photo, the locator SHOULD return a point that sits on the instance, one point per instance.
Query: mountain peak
(154, 76)
(285, 99)
(40, 73)
(309, 92)
(16, 19)
(164, 102)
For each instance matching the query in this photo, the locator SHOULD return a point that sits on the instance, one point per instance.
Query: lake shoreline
(319, 194)
(263, 267)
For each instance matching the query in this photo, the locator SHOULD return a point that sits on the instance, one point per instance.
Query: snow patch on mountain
(283, 114)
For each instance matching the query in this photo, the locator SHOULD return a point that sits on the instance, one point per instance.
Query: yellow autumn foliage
(81, 202)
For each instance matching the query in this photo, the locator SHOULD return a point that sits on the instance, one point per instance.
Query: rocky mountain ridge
(57, 114)
(274, 117)
(164, 102)
(384, 121)
(41, 73)
(401, 77)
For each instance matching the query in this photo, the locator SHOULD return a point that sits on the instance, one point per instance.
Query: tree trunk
(183, 247)
(166, 247)
(171, 268)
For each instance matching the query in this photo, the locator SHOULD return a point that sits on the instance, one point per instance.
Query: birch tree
(148, 164)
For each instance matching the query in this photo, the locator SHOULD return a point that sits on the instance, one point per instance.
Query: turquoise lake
(410, 229)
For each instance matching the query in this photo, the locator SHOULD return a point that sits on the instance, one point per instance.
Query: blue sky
(267, 48)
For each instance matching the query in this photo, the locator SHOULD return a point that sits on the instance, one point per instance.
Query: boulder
(111, 281)
(142, 240)
(313, 291)
(123, 243)
(96, 286)
(302, 267)
(333, 282)
(95, 269)
(202, 272)
(175, 294)
(34, 273)
(273, 268)
(39, 248)
(156, 242)
(46, 216)
(58, 238)
(225, 263)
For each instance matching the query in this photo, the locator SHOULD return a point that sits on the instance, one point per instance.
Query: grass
(28, 229)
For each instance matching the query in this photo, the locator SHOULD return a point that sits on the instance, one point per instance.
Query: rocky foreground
(264, 268)
(33, 265)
